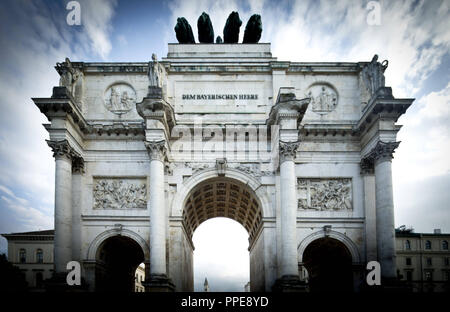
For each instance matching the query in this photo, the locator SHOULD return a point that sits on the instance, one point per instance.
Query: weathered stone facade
(295, 152)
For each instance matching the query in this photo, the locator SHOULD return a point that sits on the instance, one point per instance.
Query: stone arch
(344, 239)
(181, 195)
(99, 239)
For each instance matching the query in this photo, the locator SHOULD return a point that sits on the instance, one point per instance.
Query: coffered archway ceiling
(222, 197)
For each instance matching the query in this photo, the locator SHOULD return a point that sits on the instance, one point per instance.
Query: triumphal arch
(298, 153)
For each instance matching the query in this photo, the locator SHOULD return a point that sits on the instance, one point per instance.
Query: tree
(11, 278)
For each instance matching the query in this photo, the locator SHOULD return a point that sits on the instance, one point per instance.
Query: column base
(58, 283)
(289, 283)
(158, 283)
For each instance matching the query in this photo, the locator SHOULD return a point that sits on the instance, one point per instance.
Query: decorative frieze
(117, 193)
(156, 150)
(319, 194)
(196, 167)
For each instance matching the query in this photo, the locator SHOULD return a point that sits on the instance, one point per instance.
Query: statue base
(289, 283)
(159, 283)
(154, 92)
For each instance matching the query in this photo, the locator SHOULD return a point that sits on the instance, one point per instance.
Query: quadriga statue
(205, 29)
(184, 31)
(231, 29)
(253, 29)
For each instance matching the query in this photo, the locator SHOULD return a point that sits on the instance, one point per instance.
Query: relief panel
(330, 194)
(120, 193)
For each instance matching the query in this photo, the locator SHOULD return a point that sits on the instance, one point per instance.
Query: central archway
(229, 198)
(222, 197)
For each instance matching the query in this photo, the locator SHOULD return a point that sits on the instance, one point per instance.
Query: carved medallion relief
(325, 194)
(324, 98)
(117, 193)
(120, 98)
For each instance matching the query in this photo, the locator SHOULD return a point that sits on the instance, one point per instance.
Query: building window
(409, 276)
(39, 280)
(428, 275)
(429, 261)
(39, 256)
(444, 245)
(408, 245)
(408, 261)
(427, 244)
(446, 276)
(22, 256)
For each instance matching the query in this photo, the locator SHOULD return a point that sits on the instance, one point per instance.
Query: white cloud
(34, 36)
(425, 138)
(97, 22)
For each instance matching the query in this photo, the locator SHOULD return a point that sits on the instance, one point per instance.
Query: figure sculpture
(373, 74)
(154, 72)
(69, 75)
(253, 29)
(231, 29)
(205, 29)
(184, 31)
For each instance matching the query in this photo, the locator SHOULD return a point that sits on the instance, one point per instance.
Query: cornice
(61, 104)
(385, 105)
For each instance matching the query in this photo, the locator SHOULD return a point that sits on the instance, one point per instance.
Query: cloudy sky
(413, 35)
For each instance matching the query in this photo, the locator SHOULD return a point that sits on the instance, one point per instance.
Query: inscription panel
(219, 96)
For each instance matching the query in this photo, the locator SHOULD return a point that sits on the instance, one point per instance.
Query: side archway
(98, 240)
(344, 239)
(117, 253)
(328, 259)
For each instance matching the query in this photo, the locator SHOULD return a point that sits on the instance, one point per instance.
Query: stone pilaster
(367, 173)
(381, 156)
(64, 155)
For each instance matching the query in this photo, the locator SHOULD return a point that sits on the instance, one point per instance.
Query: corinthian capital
(62, 149)
(383, 151)
(78, 165)
(288, 150)
(156, 150)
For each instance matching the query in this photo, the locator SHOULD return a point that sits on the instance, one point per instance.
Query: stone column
(157, 280)
(382, 156)
(290, 280)
(63, 154)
